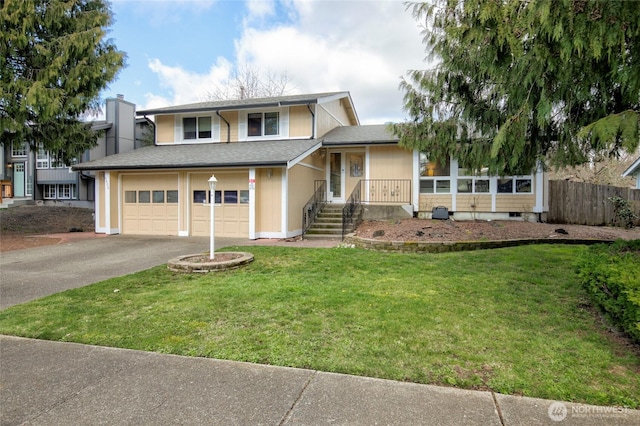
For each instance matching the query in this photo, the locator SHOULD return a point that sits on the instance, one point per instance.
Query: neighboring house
(634, 170)
(32, 176)
(270, 157)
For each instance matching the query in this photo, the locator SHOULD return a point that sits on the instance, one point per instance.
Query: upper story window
(196, 128)
(19, 149)
(263, 124)
(42, 159)
(46, 160)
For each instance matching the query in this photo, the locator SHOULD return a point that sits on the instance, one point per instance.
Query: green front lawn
(513, 320)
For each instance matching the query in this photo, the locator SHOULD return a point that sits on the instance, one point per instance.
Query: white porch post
(252, 203)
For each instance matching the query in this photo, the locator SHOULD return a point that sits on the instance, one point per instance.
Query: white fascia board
(342, 95)
(633, 169)
(304, 155)
(335, 97)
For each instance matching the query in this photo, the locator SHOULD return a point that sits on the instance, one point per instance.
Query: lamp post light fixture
(212, 188)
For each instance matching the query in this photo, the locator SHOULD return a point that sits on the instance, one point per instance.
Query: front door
(18, 180)
(336, 177)
(354, 170)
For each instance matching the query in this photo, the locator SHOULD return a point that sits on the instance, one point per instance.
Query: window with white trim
(515, 185)
(42, 159)
(472, 183)
(19, 149)
(46, 160)
(263, 124)
(194, 128)
(60, 191)
(434, 177)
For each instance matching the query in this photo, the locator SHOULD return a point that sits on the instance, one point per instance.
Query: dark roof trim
(179, 110)
(101, 126)
(182, 166)
(243, 104)
(346, 144)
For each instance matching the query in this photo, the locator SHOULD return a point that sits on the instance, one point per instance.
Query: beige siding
(515, 202)
(331, 115)
(301, 188)
(232, 118)
(165, 128)
(390, 162)
(473, 203)
(428, 202)
(358, 171)
(268, 201)
(113, 194)
(300, 122)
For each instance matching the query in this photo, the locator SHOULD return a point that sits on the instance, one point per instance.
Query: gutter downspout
(313, 122)
(228, 126)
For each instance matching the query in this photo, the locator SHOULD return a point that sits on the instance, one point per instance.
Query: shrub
(623, 212)
(611, 276)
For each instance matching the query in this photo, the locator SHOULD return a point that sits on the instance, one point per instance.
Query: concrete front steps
(328, 224)
(15, 202)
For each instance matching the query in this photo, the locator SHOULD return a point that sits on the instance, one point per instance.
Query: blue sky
(178, 51)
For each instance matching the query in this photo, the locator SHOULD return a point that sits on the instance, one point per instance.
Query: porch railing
(352, 210)
(315, 204)
(396, 191)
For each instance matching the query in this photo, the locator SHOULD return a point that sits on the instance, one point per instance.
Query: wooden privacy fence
(587, 204)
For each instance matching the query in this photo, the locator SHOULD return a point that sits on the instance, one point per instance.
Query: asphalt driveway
(33, 273)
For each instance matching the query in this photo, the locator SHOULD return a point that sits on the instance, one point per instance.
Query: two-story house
(271, 156)
(35, 175)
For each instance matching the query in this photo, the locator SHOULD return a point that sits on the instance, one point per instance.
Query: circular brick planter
(200, 263)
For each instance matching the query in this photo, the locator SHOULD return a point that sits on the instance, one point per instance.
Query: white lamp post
(212, 188)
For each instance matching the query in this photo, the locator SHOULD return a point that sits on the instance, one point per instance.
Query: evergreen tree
(54, 61)
(519, 81)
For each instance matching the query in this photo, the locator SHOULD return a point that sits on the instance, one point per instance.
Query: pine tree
(54, 61)
(516, 82)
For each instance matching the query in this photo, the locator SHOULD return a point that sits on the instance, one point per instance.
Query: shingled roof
(239, 154)
(235, 154)
(359, 135)
(275, 101)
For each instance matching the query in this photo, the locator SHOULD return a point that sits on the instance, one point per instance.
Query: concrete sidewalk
(54, 383)
(47, 383)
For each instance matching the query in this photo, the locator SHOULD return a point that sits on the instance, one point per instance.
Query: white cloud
(360, 46)
(185, 86)
(259, 9)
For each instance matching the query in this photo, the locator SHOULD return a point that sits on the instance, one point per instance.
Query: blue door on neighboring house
(18, 179)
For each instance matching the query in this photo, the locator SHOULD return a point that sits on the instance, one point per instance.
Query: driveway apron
(37, 272)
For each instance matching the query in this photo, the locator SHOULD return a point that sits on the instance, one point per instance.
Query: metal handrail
(387, 191)
(314, 205)
(351, 212)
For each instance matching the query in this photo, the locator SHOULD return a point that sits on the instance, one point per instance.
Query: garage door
(150, 204)
(231, 205)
